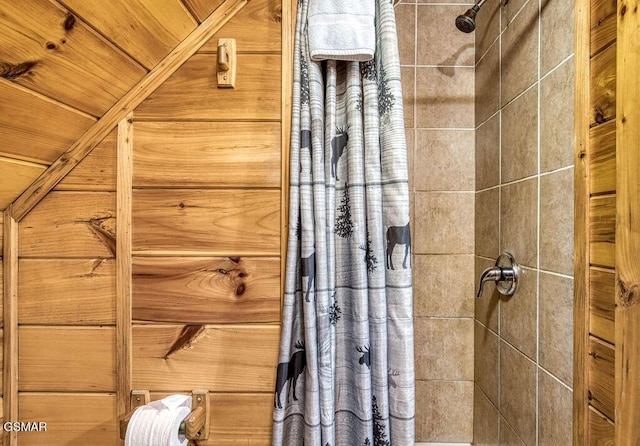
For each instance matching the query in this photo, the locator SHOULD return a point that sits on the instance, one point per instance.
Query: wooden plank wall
(201, 186)
(66, 307)
(206, 234)
(596, 138)
(627, 225)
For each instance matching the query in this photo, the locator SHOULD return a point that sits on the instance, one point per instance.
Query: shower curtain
(345, 375)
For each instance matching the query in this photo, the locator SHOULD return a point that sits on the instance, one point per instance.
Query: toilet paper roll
(157, 423)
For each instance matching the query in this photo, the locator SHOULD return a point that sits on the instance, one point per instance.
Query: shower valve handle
(505, 273)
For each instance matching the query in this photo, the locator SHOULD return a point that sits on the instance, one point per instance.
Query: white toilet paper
(157, 423)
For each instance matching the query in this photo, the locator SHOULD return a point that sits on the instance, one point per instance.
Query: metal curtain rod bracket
(194, 427)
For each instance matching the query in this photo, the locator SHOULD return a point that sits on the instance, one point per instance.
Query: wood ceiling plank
(146, 29)
(127, 103)
(202, 8)
(49, 50)
(30, 125)
(16, 176)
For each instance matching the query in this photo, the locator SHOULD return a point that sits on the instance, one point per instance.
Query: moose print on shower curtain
(345, 372)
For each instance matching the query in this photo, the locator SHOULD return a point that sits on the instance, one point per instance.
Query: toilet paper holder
(195, 426)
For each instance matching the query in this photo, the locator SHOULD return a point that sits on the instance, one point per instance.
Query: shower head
(467, 21)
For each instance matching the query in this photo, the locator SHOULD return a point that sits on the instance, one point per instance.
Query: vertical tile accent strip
(581, 222)
(123, 264)
(10, 259)
(627, 381)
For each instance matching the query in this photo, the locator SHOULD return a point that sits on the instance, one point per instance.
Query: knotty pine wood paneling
(67, 291)
(70, 224)
(72, 418)
(601, 369)
(97, 171)
(146, 30)
(232, 221)
(602, 230)
(603, 24)
(229, 358)
(602, 304)
(51, 51)
(257, 28)
(202, 8)
(602, 159)
(220, 154)
(192, 92)
(30, 125)
(66, 359)
(602, 95)
(206, 290)
(237, 417)
(601, 430)
(15, 176)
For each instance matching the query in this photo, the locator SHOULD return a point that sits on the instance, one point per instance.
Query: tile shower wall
(438, 85)
(524, 205)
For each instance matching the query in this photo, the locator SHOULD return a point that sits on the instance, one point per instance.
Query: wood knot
(234, 259)
(629, 295)
(181, 205)
(624, 119)
(599, 117)
(13, 71)
(623, 10)
(51, 46)
(222, 271)
(582, 154)
(69, 22)
(240, 290)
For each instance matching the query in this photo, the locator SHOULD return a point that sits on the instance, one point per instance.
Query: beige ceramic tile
(508, 437)
(445, 97)
(486, 362)
(444, 411)
(488, 153)
(406, 28)
(556, 32)
(556, 326)
(442, 223)
(510, 11)
(410, 136)
(556, 118)
(520, 52)
(555, 406)
(408, 76)
(487, 216)
(518, 221)
(487, 27)
(443, 285)
(485, 420)
(445, 160)
(518, 314)
(487, 100)
(556, 222)
(444, 349)
(438, 41)
(487, 305)
(518, 392)
(519, 148)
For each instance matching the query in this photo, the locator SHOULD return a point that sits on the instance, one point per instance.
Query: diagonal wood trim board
(134, 97)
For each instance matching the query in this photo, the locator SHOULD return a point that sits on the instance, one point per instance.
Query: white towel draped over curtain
(345, 375)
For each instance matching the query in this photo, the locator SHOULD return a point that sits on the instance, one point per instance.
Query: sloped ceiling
(65, 63)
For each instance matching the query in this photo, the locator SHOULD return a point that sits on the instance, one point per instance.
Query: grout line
(555, 377)
(557, 66)
(537, 420)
